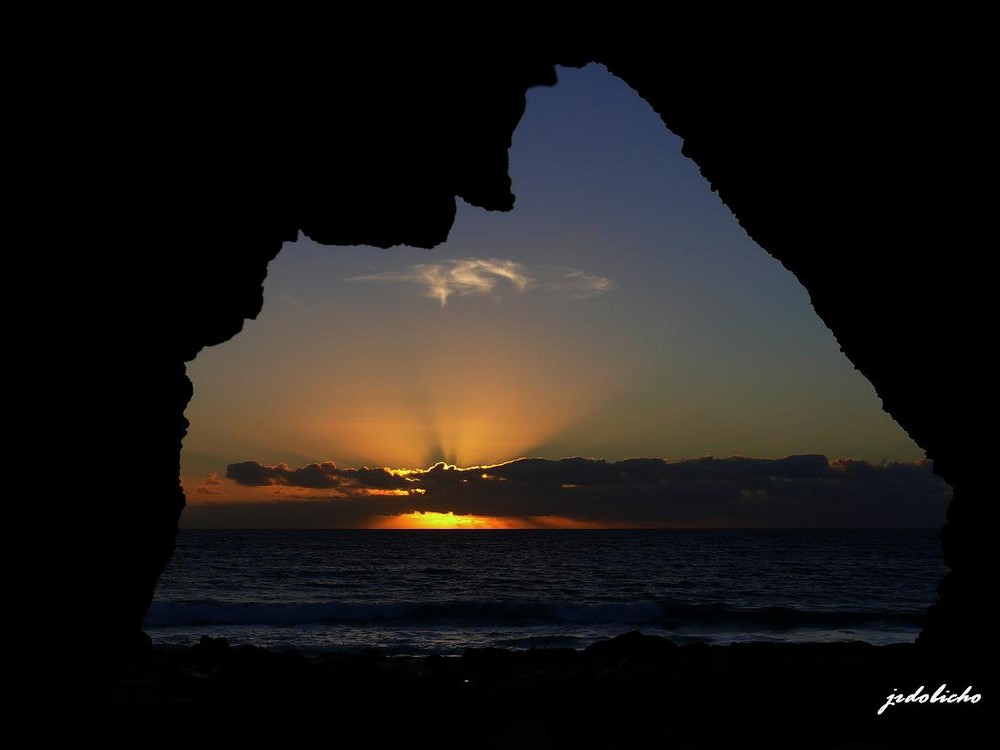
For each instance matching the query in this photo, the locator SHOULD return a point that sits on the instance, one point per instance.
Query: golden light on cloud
(463, 390)
(214, 489)
(484, 406)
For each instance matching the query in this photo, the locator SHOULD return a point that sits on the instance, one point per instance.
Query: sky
(619, 312)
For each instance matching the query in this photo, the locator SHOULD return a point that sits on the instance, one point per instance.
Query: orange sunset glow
(433, 520)
(485, 406)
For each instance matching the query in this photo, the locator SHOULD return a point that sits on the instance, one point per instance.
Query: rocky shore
(634, 691)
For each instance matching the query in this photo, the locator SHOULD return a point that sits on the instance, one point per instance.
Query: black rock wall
(846, 171)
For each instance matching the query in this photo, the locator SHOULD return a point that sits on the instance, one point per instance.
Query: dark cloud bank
(797, 491)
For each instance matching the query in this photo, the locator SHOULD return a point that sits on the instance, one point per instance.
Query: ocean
(425, 592)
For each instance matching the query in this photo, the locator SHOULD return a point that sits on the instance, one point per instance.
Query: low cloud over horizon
(491, 277)
(795, 491)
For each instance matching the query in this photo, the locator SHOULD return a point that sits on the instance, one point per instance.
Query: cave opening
(411, 355)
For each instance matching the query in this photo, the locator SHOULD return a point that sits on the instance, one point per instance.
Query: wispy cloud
(292, 302)
(490, 276)
(580, 284)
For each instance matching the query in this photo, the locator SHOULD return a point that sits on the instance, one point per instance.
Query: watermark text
(941, 695)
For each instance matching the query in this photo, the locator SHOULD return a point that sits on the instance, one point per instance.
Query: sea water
(422, 592)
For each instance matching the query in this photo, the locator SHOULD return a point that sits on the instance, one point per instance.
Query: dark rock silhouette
(635, 646)
(219, 156)
(634, 691)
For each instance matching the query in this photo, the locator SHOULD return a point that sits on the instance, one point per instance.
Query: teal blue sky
(618, 311)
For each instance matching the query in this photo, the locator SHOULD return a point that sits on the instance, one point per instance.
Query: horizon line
(616, 529)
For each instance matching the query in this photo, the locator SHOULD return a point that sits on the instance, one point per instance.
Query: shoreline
(633, 691)
(423, 638)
